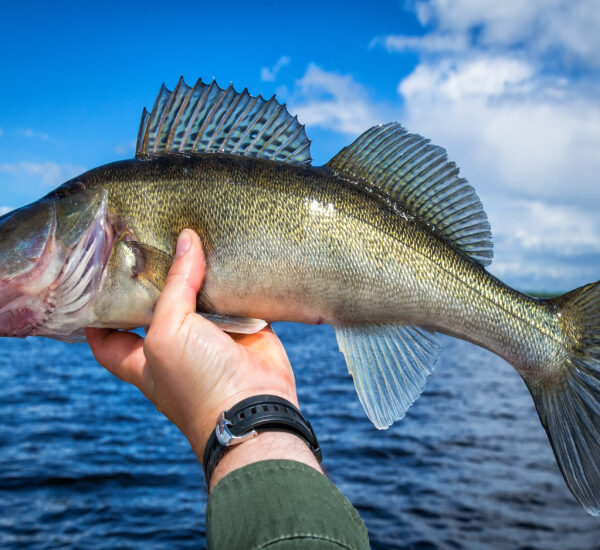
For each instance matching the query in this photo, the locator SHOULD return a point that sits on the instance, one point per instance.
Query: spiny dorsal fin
(418, 176)
(208, 119)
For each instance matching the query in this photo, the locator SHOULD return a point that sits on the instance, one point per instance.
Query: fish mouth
(55, 297)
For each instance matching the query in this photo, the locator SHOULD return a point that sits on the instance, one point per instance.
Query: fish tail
(567, 395)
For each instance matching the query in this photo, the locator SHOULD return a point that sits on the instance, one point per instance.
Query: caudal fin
(568, 399)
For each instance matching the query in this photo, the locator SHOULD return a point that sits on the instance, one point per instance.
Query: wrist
(241, 424)
(265, 446)
(202, 427)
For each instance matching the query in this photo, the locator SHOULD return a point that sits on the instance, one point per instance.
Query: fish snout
(26, 246)
(24, 237)
(52, 259)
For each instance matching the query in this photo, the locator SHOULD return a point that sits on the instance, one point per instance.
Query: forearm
(265, 446)
(281, 504)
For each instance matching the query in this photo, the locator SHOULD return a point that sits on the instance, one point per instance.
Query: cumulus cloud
(508, 127)
(333, 101)
(554, 227)
(554, 30)
(541, 244)
(429, 43)
(269, 75)
(453, 80)
(48, 174)
(537, 227)
(508, 88)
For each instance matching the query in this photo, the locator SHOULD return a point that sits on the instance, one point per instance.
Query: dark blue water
(87, 462)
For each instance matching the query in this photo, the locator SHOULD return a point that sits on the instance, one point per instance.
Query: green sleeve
(281, 505)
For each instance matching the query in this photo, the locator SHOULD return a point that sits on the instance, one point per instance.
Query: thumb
(184, 280)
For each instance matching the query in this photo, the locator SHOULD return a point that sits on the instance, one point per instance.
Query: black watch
(259, 413)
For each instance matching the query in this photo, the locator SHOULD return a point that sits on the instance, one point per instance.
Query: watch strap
(255, 414)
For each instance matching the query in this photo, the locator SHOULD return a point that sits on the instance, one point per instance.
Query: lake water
(87, 462)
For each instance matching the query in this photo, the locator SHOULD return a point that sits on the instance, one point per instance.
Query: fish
(386, 242)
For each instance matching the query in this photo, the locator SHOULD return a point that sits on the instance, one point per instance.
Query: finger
(122, 354)
(185, 277)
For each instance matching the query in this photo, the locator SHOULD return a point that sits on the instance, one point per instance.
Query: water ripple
(86, 462)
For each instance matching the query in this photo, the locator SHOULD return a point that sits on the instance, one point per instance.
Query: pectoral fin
(151, 265)
(389, 365)
(76, 337)
(240, 325)
(135, 275)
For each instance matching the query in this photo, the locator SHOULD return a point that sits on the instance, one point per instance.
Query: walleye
(385, 242)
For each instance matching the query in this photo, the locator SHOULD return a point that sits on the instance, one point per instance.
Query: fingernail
(183, 244)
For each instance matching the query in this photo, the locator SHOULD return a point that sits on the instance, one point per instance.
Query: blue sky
(511, 89)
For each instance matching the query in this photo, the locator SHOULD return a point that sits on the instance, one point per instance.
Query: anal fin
(389, 365)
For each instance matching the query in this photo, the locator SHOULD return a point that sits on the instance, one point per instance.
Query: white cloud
(536, 225)
(557, 227)
(5, 210)
(48, 174)
(507, 127)
(510, 90)
(33, 134)
(543, 28)
(269, 75)
(451, 80)
(543, 246)
(333, 101)
(427, 43)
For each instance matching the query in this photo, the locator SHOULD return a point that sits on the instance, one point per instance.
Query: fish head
(52, 253)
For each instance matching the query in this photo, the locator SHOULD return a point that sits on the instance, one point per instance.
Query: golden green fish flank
(302, 244)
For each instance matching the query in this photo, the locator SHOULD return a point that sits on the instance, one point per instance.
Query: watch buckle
(224, 435)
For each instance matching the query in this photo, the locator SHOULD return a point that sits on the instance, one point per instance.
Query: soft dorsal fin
(418, 176)
(208, 119)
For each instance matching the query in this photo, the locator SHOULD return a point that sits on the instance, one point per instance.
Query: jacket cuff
(281, 504)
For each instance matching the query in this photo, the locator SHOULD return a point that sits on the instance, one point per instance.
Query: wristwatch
(261, 413)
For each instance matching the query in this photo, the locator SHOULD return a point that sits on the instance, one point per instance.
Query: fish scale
(386, 242)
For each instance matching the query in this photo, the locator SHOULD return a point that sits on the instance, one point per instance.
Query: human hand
(186, 366)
